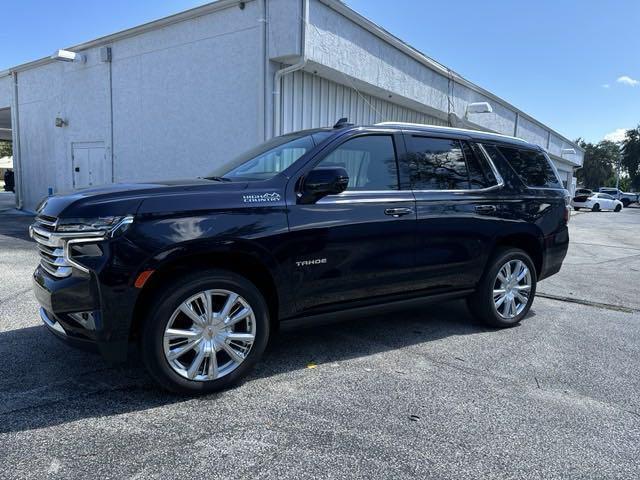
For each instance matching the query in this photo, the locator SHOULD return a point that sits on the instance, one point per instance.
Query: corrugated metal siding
(310, 101)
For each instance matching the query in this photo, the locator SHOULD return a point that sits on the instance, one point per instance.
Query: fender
(213, 247)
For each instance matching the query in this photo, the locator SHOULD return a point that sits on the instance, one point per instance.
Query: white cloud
(627, 80)
(606, 85)
(617, 135)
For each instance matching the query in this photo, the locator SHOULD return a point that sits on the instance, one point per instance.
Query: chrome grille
(50, 247)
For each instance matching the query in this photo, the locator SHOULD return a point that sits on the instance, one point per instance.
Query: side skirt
(373, 309)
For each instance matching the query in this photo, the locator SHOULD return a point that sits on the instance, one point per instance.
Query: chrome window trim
(352, 196)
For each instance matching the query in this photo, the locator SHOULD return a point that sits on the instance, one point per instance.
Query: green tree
(599, 163)
(631, 156)
(5, 149)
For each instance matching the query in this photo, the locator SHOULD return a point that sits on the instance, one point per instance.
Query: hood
(126, 198)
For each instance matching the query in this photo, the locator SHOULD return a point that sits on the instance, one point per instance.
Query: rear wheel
(625, 202)
(205, 333)
(596, 208)
(617, 209)
(507, 289)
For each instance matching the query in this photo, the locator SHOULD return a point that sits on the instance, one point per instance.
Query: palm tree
(631, 156)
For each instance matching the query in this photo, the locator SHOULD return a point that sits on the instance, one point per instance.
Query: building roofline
(130, 32)
(416, 54)
(336, 5)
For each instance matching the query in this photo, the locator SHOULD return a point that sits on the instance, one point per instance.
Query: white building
(173, 97)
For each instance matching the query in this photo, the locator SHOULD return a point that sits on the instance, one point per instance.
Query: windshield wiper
(217, 179)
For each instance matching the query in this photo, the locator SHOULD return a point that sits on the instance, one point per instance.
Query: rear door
(358, 245)
(458, 202)
(606, 201)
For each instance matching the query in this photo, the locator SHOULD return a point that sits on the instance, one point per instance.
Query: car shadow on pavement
(15, 226)
(46, 383)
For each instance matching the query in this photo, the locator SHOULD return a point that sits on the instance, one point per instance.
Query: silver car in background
(596, 202)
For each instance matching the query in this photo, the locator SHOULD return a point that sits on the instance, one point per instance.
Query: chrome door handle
(485, 209)
(398, 212)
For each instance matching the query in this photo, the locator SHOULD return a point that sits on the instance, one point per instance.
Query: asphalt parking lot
(422, 393)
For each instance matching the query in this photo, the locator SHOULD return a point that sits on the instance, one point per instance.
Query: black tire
(596, 208)
(169, 299)
(625, 203)
(481, 303)
(576, 208)
(617, 209)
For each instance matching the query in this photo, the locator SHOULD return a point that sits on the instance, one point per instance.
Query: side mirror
(323, 181)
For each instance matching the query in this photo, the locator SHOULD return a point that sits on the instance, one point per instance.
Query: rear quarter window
(532, 167)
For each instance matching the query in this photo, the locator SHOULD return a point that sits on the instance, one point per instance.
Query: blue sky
(574, 65)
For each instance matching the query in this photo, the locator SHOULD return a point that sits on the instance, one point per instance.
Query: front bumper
(55, 327)
(73, 310)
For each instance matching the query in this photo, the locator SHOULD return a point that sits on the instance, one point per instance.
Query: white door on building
(89, 164)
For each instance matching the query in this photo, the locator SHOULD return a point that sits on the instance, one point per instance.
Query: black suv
(199, 273)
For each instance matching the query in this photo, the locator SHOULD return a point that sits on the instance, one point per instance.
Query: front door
(358, 245)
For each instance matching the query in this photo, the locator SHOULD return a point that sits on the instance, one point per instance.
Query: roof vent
(343, 122)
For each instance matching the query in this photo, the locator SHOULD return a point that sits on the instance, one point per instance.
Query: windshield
(270, 158)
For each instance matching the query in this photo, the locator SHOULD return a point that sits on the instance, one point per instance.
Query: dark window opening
(369, 160)
(532, 167)
(437, 164)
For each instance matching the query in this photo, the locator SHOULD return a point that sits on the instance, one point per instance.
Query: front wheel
(205, 333)
(576, 208)
(625, 202)
(506, 291)
(596, 208)
(617, 209)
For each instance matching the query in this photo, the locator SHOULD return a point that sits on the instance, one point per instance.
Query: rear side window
(480, 173)
(532, 167)
(437, 164)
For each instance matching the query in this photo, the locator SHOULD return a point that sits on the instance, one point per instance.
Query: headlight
(97, 225)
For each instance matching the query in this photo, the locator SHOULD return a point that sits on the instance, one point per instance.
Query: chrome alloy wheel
(511, 289)
(209, 335)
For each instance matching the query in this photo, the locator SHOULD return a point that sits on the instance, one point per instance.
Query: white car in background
(596, 202)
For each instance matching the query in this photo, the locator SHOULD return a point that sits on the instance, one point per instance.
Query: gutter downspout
(264, 95)
(15, 131)
(113, 158)
(277, 78)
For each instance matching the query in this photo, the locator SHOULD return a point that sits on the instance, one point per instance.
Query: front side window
(270, 158)
(532, 167)
(437, 164)
(369, 160)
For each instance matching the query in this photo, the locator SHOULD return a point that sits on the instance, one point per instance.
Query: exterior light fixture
(477, 107)
(68, 56)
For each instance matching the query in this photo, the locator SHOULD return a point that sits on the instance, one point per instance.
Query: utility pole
(618, 171)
